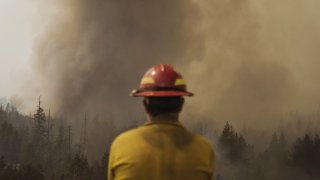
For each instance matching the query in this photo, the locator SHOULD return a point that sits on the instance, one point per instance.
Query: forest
(38, 147)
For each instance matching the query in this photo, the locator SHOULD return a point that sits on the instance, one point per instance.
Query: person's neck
(174, 117)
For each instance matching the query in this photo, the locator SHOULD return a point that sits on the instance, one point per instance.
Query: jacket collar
(171, 119)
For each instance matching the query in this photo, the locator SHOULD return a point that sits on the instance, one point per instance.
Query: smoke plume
(247, 61)
(92, 54)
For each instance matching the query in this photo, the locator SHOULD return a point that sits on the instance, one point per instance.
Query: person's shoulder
(203, 141)
(127, 136)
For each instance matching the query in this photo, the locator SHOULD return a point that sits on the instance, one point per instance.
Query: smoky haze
(91, 54)
(247, 61)
(260, 61)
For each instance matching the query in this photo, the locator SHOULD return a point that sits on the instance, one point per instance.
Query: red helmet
(161, 81)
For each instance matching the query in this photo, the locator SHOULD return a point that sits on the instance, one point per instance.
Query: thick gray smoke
(247, 61)
(91, 54)
(260, 59)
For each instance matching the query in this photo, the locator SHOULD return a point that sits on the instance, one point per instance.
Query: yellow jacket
(160, 150)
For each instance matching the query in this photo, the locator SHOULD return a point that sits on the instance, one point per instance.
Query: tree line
(31, 148)
(279, 161)
(38, 147)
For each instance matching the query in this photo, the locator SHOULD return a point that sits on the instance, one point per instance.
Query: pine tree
(317, 152)
(272, 148)
(2, 114)
(274, 141)
(235, 154)
(39, 142)
(8, 108)
(304, 155)
(228, 136)
(234, 147)
(40, 130)
(275, 158)
(282, 140)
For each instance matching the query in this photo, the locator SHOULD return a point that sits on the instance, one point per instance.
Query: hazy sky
(16, 38)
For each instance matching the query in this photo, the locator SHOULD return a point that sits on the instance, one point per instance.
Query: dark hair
(162, 105)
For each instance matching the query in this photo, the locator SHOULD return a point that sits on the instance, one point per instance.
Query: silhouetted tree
(273, 163)
(40, 126)
(317, 151)
(2, 114)
(233, 146)
(277, 152)
(304, 155)
(235, 155)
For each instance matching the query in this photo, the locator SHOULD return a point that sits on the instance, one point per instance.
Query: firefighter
(162, 148)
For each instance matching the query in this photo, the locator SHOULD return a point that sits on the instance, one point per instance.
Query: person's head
(163, 89)
(155, 106)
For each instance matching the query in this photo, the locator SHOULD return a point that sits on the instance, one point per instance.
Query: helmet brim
(160, 93)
